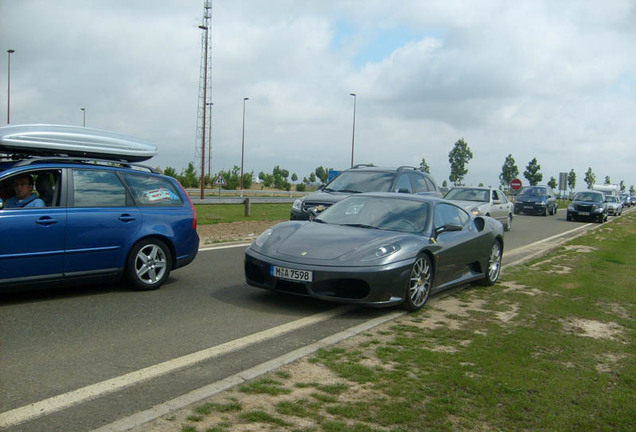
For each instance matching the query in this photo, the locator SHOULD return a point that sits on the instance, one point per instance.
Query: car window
(96, 188)
(152, 191)
(403, 184)
(446, 214)
(362, 181)
(422, 184)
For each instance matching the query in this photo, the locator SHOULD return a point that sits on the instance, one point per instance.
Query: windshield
(361, 181)
(534, 191)
(392, 214)
(611, 198)
(588, 196)
(465, 194)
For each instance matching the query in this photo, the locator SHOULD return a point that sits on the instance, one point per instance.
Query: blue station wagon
(95, 221)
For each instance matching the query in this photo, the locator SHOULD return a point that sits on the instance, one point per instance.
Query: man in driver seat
(24, 195)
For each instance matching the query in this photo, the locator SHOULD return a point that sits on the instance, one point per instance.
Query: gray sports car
(379, 249)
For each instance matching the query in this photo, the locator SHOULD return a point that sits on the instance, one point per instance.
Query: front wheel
(508, 223)
(494, 265)
(419, 284)
(149, 264)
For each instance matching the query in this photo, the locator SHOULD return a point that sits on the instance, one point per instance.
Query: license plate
(584, 213)
(528, 207)
(292, 274)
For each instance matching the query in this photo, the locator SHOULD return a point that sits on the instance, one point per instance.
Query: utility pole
(204, 86)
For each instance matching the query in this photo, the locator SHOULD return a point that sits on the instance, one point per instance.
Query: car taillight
(194, 212)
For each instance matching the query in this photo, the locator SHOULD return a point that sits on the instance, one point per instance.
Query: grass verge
(221, 213)
(548, 348)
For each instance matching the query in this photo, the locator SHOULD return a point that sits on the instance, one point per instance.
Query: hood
(532, 198)
(313, 242)
(469, 205)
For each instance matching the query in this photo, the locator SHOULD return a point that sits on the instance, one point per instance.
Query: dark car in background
(588, 205)
(539, 200)
(364, 178)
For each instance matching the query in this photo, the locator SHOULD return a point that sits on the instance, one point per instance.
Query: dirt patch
(593, 329)
(233, 231)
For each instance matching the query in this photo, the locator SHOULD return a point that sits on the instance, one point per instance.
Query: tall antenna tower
(203, 136)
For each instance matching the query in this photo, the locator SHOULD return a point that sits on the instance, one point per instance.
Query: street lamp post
(353, 135)
(205, 98)
(243, 145)
(9, 52)
(83, 116)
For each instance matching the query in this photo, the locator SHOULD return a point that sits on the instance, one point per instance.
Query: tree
(509, 171)
(190, 178)
(445, 184)
(312, 178)
(458, 157)
(572, 180)
(294, 177)
(632, 191)
(622, 185)
(424, 166)
(590, 178)
(171, 172)
(608, 180)
(322, 174)
(233, 178)
(552, 183)
(532, 172)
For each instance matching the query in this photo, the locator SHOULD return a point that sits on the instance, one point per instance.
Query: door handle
(127, 218)
(46, 221)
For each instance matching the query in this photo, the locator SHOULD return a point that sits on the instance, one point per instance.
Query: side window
(446, 214)
(421, 184)
(151, 190)
(495, 196)
(403, 184)
(96, 188)
(31, 189)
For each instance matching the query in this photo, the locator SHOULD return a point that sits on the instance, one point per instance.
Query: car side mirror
(1, 204)
(403, 190)
(447, 228)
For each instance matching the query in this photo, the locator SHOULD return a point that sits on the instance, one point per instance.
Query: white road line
(66, 400)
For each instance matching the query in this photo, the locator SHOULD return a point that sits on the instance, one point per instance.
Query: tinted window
(362, 181)
(94, 188)
(152, 191)
(422, 184)
(403, 184)
(446, 214)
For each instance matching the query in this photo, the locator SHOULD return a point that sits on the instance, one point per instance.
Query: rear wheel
(494, 265)
(419, 284)
(149, 264)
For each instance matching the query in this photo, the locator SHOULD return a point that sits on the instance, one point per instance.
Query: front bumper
(383, 285)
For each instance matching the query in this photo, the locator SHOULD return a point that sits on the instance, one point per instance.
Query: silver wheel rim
(494, 264)
(150, 264)
(420, 282)
(508, 223)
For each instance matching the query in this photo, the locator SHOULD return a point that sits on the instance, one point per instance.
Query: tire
(149, 264)
(545, 211)
(418, 287)
(508, 224)
(494, 265)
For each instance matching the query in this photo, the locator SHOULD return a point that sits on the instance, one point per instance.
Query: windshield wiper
(318, 220)
(360, 226)
(348, 191)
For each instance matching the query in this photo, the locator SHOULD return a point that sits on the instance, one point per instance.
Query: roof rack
(61, 158)
(362, 165)
(406, 167)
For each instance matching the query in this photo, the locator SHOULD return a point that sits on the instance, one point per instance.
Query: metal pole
(205, 98)
(353, 135)
(243, 145)
(9, 52)
(210, 139)
(83, 110)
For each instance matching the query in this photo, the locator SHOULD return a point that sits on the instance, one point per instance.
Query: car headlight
(298, 205)
(260, 241)
(475, 211)
(571, 207)
(598, 210)
(382, 252)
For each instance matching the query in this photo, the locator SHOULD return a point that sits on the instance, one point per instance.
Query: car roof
(404, 196)
(365, 167)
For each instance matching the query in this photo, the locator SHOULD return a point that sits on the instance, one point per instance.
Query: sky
(553, 80)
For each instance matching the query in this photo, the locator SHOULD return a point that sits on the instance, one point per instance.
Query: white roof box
(76, 141)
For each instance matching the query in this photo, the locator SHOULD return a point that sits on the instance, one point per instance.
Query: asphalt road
(80, 358)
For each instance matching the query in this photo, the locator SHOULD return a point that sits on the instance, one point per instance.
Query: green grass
(221, 213)
(539, 369)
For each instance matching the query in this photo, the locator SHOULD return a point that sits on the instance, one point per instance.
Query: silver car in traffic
(484, 201)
